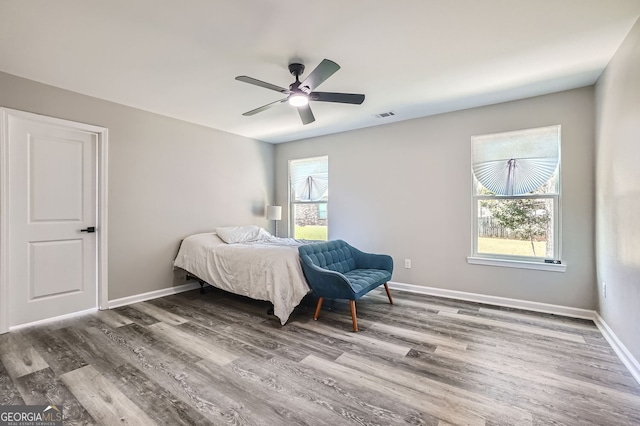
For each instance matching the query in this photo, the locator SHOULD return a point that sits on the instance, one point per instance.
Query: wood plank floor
(192, 359)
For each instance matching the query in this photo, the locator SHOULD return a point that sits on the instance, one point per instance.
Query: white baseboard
(152, 295)
(619, 348)
(115, 303)
(566, 311)
(54, 319)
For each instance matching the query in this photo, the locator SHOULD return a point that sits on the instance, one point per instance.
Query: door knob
(89, 229)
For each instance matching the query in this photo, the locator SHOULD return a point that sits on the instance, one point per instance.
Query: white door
(52, 205)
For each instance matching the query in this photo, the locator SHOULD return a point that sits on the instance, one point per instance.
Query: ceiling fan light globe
(298, 100)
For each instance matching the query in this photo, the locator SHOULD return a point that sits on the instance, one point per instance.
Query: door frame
(101, 198)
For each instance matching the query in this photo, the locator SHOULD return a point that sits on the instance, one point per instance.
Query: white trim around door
(102, 192)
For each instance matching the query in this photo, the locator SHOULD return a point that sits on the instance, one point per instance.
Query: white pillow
(241, 234)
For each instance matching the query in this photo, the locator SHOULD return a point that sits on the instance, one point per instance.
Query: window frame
(516, 261)
(291, 197)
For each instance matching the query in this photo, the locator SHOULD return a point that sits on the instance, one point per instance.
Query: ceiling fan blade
(322, 72)
(263, 107)
(260, 83)
(306, 115)
(343, 98)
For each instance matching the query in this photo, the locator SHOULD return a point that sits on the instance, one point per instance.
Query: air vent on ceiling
(385, 114)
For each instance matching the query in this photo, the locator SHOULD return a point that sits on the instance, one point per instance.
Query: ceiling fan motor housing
(296, 69)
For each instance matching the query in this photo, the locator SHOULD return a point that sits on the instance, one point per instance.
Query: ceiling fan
(300, 93)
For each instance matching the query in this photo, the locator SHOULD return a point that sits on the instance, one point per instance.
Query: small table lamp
(274, 213)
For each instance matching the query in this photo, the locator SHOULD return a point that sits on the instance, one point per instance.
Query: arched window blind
(516, 163)
(309, 179)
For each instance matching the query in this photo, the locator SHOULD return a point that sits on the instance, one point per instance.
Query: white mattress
(263, 270)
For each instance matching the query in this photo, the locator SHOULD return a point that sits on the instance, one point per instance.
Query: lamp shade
(274, 212)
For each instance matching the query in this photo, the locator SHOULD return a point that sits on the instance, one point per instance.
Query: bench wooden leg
(318, 306)
(386, 287)
(353, 315)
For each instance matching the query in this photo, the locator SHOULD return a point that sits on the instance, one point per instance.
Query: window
(309, 197)
(516, 198)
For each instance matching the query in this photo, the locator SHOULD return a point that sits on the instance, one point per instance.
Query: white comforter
(264, 270)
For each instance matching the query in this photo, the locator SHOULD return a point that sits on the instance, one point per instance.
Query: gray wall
(405, 189)
(618, 192)
(167, 179)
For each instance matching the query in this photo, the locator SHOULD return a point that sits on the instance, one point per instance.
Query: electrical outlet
(407, 263)
(604, 289)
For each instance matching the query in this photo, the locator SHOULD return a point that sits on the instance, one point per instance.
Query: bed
(260, 266)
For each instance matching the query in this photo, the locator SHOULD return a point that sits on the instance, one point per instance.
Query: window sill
(517, 264)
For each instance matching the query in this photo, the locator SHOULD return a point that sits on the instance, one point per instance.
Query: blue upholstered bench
(336, 270)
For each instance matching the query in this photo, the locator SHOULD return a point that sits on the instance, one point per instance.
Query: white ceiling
(414, 57)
